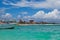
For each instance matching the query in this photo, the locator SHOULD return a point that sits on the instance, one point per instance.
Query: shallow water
(31, 32)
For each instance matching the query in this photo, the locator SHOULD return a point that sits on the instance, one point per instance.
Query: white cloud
(7, 17)
(33, 4)
(27, 17)
(3, 13)
(53, 16)
(41, 14)
(19, 16)
(24, 12)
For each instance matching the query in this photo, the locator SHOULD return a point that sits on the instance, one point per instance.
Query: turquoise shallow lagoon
(31, 32)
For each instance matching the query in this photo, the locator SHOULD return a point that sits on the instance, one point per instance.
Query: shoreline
(30, 24)
(38, 24)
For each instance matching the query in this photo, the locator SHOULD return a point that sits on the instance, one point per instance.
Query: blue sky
(44, 10)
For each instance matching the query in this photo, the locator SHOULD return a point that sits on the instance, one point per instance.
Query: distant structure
(21, 21)
(43, 22)
(31, 22)
(1, 22)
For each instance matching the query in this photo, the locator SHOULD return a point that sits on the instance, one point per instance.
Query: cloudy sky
(39, 10)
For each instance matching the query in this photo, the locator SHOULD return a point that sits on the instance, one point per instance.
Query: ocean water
(31, 32)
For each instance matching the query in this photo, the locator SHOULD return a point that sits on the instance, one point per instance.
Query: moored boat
(6, 26)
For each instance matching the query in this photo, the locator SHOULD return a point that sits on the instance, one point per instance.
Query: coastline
(28, 24)
(37, 24)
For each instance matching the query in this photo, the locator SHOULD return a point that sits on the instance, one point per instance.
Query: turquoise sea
(31, 32)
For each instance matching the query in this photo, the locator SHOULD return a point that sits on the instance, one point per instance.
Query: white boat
(6, 26)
